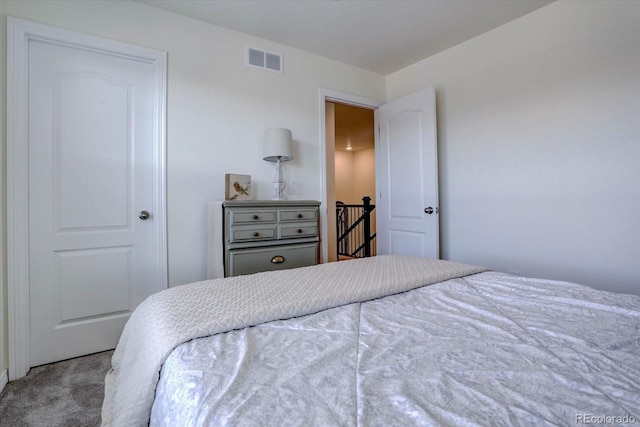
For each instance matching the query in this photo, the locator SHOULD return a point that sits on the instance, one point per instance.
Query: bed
(388, 340)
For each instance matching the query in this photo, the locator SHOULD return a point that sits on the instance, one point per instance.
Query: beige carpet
(67, 393)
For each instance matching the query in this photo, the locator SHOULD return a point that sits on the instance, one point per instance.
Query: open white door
(407, 205)
(87, 163)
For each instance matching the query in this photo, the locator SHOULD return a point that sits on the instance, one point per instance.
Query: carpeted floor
(67, 393)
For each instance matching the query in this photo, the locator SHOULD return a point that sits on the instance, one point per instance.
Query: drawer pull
(300, 215)
(278, 259)
(256, 234)
(299, 230)
(256, 217)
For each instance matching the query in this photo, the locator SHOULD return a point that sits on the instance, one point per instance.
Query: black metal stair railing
(353, 225)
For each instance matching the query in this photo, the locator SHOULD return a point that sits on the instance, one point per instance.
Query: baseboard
(3, 380)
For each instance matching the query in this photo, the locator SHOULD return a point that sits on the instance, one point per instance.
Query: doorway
(355, 184)
(407, 218)
(329, 99)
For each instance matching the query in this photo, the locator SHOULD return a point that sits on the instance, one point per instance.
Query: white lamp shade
(277, 145)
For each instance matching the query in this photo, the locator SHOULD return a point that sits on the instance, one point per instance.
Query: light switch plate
(296, 187)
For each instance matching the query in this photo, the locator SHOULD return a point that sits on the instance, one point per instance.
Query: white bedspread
(489, 349)
(179, 314)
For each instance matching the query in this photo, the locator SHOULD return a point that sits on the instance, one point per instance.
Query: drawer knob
(256, 217)
(299, 230)
(256, 234)
(278, 259)
(300, 215)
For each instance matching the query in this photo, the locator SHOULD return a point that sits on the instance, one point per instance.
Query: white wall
(345, 176)
(365, 185)
(217, 110)
(355, 175)
(539, 144)
(3, 280)
(364, 163)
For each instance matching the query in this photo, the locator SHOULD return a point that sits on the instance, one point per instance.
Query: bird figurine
(240, 190)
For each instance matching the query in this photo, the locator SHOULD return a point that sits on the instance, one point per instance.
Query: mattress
(177, 315)
(482, 349)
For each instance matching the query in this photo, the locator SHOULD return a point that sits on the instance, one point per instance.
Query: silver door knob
(144, 215)
(428, 210)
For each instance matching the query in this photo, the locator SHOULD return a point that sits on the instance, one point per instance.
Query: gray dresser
(267, 235)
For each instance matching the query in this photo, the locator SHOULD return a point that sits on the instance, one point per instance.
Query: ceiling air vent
(257, 58)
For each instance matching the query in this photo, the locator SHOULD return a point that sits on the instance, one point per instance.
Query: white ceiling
(382, 36)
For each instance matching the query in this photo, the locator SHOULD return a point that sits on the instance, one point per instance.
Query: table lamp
(278, 147)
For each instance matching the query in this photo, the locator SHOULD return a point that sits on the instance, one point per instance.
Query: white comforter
(177, 315)
(489, 349)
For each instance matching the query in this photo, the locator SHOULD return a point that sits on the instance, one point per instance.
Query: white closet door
(94, 117)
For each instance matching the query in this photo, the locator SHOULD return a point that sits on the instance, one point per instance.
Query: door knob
(428, 210)
(144, 215)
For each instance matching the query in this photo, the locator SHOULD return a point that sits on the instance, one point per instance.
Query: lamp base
(278, 183)
(278, 188)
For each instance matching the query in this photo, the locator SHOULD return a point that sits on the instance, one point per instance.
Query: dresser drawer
(252, 234)
(298, 230)
(243, 217)
(248, 261)
(298, 215)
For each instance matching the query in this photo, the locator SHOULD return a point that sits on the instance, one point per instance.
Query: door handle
(428, 210)
(144, 215)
